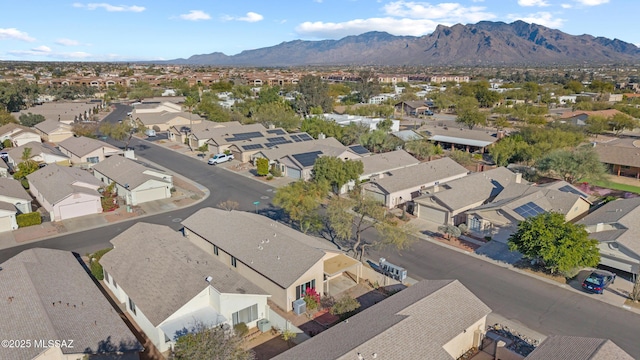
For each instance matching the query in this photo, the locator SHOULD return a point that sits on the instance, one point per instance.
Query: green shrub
(241, 329)
(7, 143)
(275, 171)
(269, 177)
(25, 183)
(344, 305)
(94, 263)
(28, 219)
(262, 165)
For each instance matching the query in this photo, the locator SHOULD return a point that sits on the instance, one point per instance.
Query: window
(93, 159)
(106, 276)
(215, 250)
(246, 315)
(234, 262)
(302, 289)
(132, 306)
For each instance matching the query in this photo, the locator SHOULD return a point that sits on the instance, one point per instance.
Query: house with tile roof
(376, 164)
(54, 131)
(282, 261)
(579, 117)
(65, 192)
(615, 226)
(620, 155)
(18, 134)
(84, 151)
(518, 201)
(445, 204)
(169, 285)
(393, 188)
(416, 323)
(577, 348)
(40, 152)
(48, 295)
(135, 183)
(14, 200)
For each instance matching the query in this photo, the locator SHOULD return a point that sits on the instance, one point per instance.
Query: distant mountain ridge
(484, 43)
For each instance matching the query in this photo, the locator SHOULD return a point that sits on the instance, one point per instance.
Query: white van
(150, 133)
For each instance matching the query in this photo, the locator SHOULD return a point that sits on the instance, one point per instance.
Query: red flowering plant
(311, 298)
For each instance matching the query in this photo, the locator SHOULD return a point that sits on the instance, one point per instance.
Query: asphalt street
(538, 305)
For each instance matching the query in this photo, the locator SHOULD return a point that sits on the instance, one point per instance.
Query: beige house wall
(580, 207)
(464, 341)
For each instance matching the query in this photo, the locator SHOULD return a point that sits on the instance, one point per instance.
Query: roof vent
(266, 241)
(260, 247)
(208, 279)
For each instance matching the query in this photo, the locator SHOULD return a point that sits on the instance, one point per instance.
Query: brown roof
(605, 113)
(625, 152)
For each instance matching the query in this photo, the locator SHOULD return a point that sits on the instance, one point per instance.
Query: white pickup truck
(220, 158)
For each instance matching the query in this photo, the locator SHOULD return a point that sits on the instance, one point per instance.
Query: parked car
(598, 280)
(220, 158)
(429, 113)
(150, 133)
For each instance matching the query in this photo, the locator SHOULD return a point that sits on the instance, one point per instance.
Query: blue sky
(122, 30)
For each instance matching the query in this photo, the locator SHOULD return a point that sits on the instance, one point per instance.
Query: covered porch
(341, 272)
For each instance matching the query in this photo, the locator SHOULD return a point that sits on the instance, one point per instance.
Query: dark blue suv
(598, 280)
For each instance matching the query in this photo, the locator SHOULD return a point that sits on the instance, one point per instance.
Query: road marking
(626, 307)
(264, 197)
(176, 220)
(269, 190)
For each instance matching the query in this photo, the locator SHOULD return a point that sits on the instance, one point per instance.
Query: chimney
(518, 178)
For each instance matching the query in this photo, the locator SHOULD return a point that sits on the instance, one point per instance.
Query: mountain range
(483, 44)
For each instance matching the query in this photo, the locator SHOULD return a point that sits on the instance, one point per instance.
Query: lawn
(612, 185)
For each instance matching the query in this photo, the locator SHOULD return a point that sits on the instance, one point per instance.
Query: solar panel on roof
(247, 135)
(359, 149)
(295, 138)
(307, 159)
(252, 147)
(305, 137)
(275, 139)
(528, 210)
(276, 132)
(571, 189)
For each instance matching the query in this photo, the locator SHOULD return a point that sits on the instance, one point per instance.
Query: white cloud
(110, 8)
(533, 3)
(566, 6)
(318, 1)
(195, 15)
(251, 17)
(67, 42)
(42, 49)
(444, 12)
(592, 2)
(15, 34)
(541, 18)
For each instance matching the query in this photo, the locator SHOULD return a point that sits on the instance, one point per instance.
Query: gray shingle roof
(164, 117)
(418, 175)
(4, 129)
(387, 161)
(81, 146)
(57, 182)
(125, 171)
(161, 270)
(620, 219)
(36, 149)
(578, 348)
(50, 125)
(413, 324)
(271, 249)
(48, 295)
(13, 188)
(329, 147)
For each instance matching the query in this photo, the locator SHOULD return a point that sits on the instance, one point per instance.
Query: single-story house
(47, 295)
(418, 322)
(14, 200)
(169, 285)
(40, 152)
(462, 138)
(53, 131)
(201, 130)
(579, 117)
(376, 164)
(407, 135)
(446, 203)
(164, 120)
(369, 123)
(135, 182)
(621, 156)
(86, 151)
(577, 348)
(393, 188)
(280, 260)
(412, 108)
(615, 226)
(519, 201)
(66, 192)
(151, 106)
(18, 134)
(66, 112)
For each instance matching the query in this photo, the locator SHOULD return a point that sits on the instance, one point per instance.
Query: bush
(344, 305)
(275, 171)
(269, 177)
(262, 165)
(312, 299)
(28, 219)
(241, 329)
(94, 263)
(7, 143)
(25, 183)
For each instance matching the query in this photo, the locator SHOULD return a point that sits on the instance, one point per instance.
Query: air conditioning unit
(299, 307)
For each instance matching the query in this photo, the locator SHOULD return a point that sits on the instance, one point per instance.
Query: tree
(422, 149)
(6, 118)
(189, 104)
(88, 129)
(574, 165)
(203, 149)
(560, 245)
(574, 86)
(262, 166)
(210, 343)
(597, 125)
(276, 114)
(349, 217)
(26, 166)
(450, 231)
(336, 172)
(461, 157)
(122, 131)
(314, 126)
(313, 93)
(30, 119)
(373, 140)
(300, 200)
(468, 112)
(621, 122)
(385, 125)
(367, 85)
(635, 293)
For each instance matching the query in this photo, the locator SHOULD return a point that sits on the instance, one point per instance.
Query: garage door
(150, 195)
(78, 209)
(376, 196)
(294, 173)
(619, 264)
(6, 223)
(431, 214)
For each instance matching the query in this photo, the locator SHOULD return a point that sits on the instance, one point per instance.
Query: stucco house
(621, 156)
(462, 138)
(40, 152)
(518, 202)
(164, 120)
(393, 188)
(376, 164)
(18, 134)
(418, 322)
(446, 203)
(280, 260)
(53, 131)
(14, 200)
(168, 285)
(201, 129)
(48, 295)
(86, 151)
(577, 348)
(66, 192)
(135, 182)
(615, 226)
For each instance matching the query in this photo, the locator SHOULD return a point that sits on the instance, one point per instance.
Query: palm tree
(189, 104)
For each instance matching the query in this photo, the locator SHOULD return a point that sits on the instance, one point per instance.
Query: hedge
(28, 219)
(94, 264)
